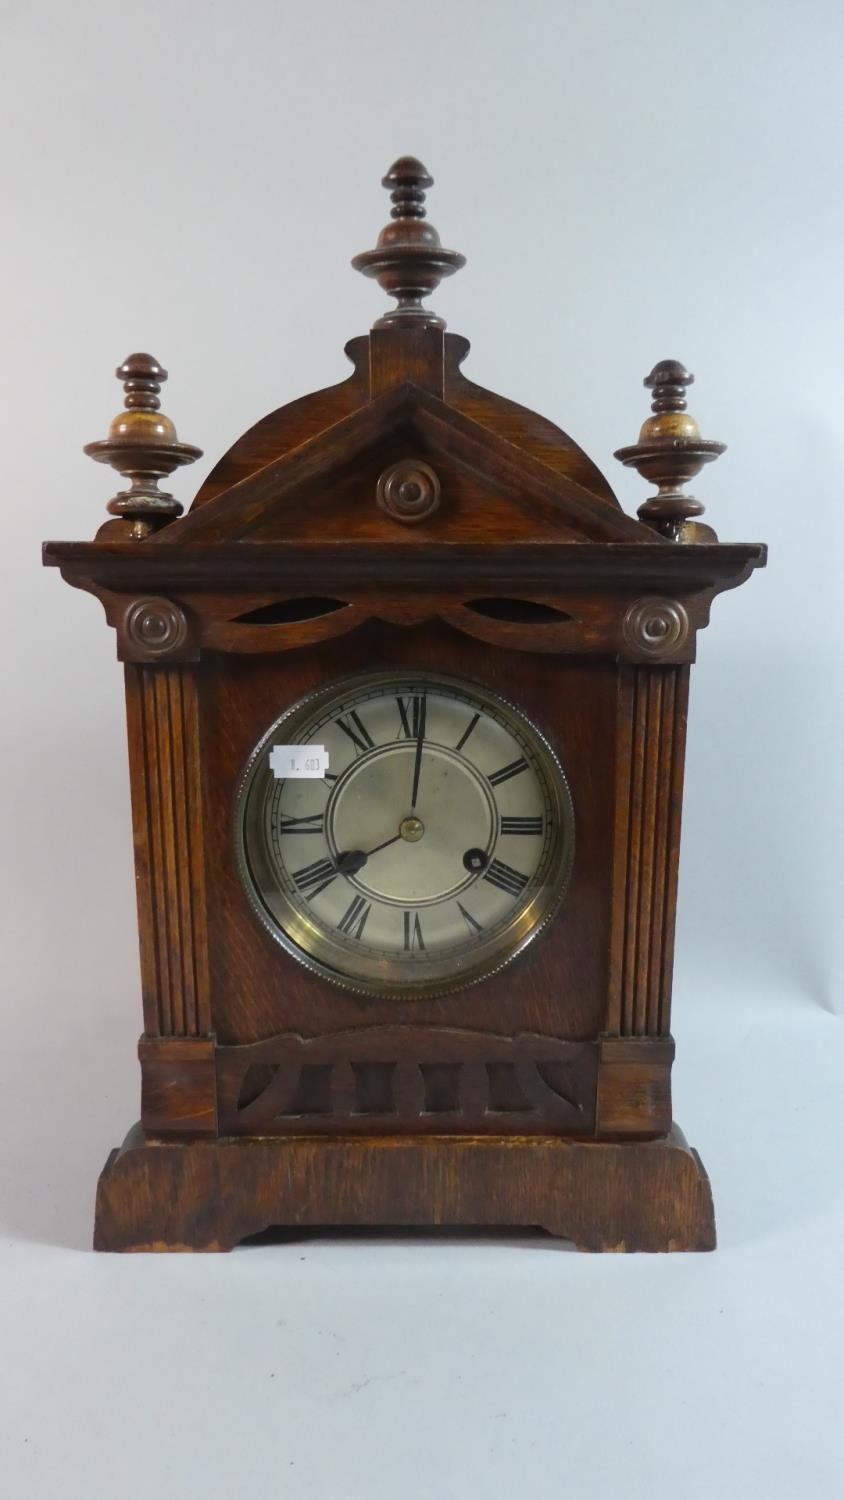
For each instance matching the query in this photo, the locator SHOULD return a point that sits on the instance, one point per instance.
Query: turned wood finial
(408, 261)
(143, 446)
(670, 451)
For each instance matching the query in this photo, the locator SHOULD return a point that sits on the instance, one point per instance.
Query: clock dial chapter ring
(384, 897)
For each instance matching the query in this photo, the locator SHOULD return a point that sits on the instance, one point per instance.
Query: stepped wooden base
(210, 1194)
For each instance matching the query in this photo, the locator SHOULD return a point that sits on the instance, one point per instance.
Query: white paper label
(305, 762)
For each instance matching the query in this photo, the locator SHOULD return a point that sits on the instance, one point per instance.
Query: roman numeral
(412, 716)
(357, 732)
(467, 731)
(514, 769)
(505, 877)
(472, 925)
(355, 918)
(313, 823)
(312, 879)
(521, 825)
(412, 933)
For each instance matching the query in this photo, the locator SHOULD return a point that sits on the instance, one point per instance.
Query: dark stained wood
(523, 428)
(162, 709)
(407, 518)
(434, 1080)
(294, 423)
(384, 360)
(651, 740)
(143, 446)
(409, 261)
(446, 567)
(671, 451)
(178, 1085)
(558, 987)
(651, 1195)
(268, 502)
(634, 1087)
(592, 596)
(418, 357)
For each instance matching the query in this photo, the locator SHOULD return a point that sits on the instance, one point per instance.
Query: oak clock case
(420, 970)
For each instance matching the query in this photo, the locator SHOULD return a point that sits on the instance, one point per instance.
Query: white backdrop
(629, 181)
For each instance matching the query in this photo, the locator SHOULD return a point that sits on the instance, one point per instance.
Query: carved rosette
(655, 629)
(153, 629)
(409, 491)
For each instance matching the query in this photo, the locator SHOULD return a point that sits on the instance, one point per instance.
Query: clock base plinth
(211, 1194)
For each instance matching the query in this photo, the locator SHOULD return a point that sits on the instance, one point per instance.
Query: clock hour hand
(352, 860)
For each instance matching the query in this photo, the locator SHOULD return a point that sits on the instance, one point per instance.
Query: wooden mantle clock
(406, 696)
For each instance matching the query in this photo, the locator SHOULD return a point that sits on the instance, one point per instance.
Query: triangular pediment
(325, 489)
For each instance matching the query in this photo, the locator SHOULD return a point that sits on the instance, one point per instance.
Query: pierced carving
(529, 624)
(518, 611)
(656, 628)
(290, 611)
(407, 1078)
(277, 624)
(409, 491)
(653, 629)
(153, 628)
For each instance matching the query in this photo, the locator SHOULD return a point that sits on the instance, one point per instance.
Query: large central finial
(408, 262)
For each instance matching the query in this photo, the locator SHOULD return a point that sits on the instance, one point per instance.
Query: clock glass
(427, 836)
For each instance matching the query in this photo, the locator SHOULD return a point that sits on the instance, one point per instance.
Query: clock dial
(436, 844)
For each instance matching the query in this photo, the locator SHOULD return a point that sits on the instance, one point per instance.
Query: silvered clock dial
(436, 844)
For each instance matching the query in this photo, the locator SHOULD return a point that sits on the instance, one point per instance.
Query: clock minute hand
(417, 760)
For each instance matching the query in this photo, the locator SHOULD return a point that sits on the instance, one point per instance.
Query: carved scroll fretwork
(407, 1078)
(650, 749)
(162, 715)
(540, 622)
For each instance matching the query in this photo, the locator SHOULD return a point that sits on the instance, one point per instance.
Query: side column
(177, 1049)
(634, 1088)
